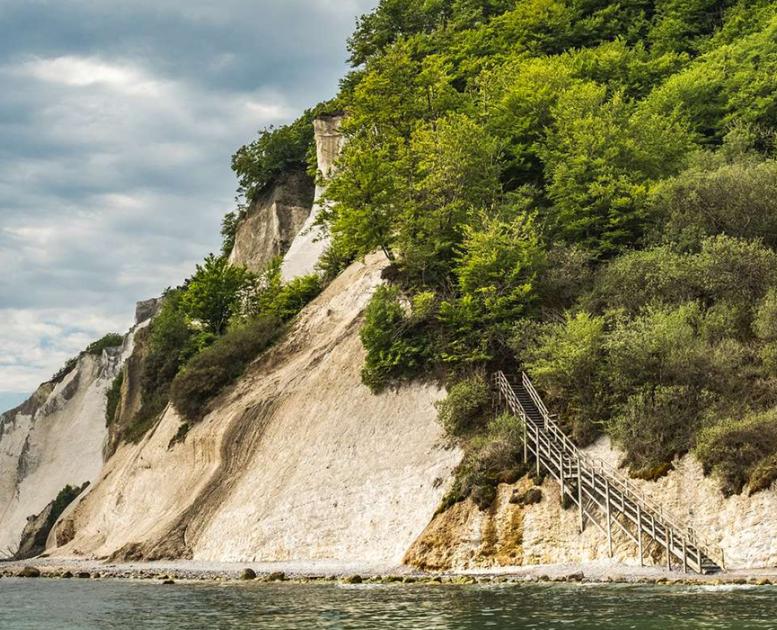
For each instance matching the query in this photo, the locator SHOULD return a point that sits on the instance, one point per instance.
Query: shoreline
(186, 571)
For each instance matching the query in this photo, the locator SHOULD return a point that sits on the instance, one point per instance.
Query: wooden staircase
(603, 496)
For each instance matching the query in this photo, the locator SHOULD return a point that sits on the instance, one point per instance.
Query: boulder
(248, 574)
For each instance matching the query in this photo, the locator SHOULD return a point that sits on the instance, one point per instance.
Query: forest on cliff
(585, 190)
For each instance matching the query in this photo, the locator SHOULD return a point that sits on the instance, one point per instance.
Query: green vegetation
(465, 405)
(113, 398)
(111, 340)
(582, 189)
(208, 372)
(206, 334)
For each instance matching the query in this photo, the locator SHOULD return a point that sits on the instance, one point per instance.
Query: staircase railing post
(580, 495)
(668, 540)
(607, 510)
(685, 556)
(639, 535)
(525, 445)
(561, 475)
(537, 448)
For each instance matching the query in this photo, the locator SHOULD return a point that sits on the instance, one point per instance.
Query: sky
(117, 123)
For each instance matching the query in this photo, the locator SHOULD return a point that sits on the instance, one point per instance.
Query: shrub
(656, 424)
(566, 361)
(113, 398)
(395, 349)
(738, 199)
(293, 296)
(111, 340)
(741, 451)
(214, 293)
(276, 150)
(464, 406)
(208, 373)
(491, 458)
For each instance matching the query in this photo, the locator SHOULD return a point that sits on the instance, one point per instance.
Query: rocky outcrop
(36, 532)
(310, 244)
(299, 461)
(272, 221)
(56, 438)
(522, 532)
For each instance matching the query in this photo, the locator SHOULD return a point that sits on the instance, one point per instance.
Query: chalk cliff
(54, 439)
(299, 461)
(272, 221)
(306, 250)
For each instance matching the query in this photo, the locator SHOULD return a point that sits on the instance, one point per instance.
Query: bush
(111, 340)
(741, 451)
(566, 360)
(738, 199)
(293, 296)
(113, 398)
(491, 458)
(463, 408)
(208, 373)
(656, 424)
(276, 150)
(395, 348)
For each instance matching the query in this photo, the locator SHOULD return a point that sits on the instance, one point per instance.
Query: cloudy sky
(117, 123)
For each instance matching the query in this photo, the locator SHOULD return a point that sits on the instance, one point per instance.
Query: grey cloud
(117, 122)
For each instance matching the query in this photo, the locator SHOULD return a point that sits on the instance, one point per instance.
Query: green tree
(214, 293)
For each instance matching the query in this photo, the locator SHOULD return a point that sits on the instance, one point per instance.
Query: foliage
(566, 360)
(111, 340)
(276, 150)
(461, 410)
(214, 293)
(113, 398)
(210, 371)
(741, 451)
(229, 226)
(395, 348)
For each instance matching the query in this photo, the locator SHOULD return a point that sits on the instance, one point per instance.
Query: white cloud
(117, 123)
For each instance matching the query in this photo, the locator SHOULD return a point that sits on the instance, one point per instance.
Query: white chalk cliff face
(508, 534)
(307, 248)
(299, 461)
(54, 439)
(272, 221)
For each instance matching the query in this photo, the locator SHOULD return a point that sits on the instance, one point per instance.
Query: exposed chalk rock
(299, 461)
(54, 439)
(273, 220)
(310, 243)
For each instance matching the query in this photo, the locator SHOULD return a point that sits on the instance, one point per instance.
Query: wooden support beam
(685, 556)
(668, 540)
(537, 438)
(525, 443)
(607, 515)
(639, 535)
(580, 496)
(561, 476)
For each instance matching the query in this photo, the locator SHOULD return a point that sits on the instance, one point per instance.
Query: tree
(454, 175)
(214, 293)
(600, 160)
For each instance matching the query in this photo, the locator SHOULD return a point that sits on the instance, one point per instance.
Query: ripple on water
(69, 604)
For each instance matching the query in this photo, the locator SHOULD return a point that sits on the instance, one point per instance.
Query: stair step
(552, 447)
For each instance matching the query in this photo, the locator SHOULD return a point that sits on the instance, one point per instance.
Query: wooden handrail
(554, 450)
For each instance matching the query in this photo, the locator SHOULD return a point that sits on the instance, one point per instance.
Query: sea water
(68, 604)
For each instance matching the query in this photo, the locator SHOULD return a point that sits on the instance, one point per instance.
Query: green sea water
(65, 604)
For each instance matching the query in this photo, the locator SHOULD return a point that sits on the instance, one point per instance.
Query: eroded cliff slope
(54, 439)
(299, 461)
